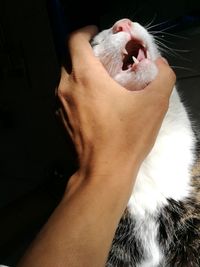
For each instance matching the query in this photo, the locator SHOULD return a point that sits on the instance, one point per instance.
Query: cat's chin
(138, 76)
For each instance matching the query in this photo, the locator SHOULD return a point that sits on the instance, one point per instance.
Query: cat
(161, 225)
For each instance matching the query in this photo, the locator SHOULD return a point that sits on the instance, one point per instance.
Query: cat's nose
(123, 25)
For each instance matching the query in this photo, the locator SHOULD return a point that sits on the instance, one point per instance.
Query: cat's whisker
(170, 27)
(163, 41)
(136, 12)
(165, 51)
(169, 34)
(147, 26)
(183, 68)
(173, 52)
(167, 48)
(158, 24)
(182, 50)
(171, 48)
(160, 38)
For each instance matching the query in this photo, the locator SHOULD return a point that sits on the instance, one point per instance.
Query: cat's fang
(124, 51)
(135, 60)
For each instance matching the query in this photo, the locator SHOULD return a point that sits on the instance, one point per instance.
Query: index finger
(79, 47)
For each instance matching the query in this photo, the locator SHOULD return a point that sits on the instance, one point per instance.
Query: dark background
(36, 156)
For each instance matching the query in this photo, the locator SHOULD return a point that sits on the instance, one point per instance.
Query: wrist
(114, 173)
(108, 159)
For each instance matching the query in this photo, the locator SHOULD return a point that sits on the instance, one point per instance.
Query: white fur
(165, 173)
(147, 232)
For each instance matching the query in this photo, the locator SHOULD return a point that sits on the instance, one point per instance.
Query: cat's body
(161, 226)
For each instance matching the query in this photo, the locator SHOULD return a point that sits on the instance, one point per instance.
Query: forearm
(81, 229)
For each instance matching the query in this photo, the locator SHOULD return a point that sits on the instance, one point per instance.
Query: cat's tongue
(141, 55)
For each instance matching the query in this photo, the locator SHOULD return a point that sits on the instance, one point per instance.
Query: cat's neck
(166, 172)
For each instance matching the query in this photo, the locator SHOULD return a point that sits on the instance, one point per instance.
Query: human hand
(105, 121)
(113, 130)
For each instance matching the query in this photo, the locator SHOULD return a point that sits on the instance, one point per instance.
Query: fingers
(79, 47)
(165, 79)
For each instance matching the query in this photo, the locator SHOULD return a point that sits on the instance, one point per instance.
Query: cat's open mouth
(134, 52)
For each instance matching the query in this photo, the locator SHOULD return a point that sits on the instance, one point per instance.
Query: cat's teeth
(124, 52)
(135, 60)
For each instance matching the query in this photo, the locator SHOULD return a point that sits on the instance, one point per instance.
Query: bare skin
(113, 130)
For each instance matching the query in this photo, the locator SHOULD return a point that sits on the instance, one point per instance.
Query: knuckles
(79, 79)
(61, 91)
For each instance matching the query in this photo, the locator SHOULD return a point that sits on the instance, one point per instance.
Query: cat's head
(128, 53)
